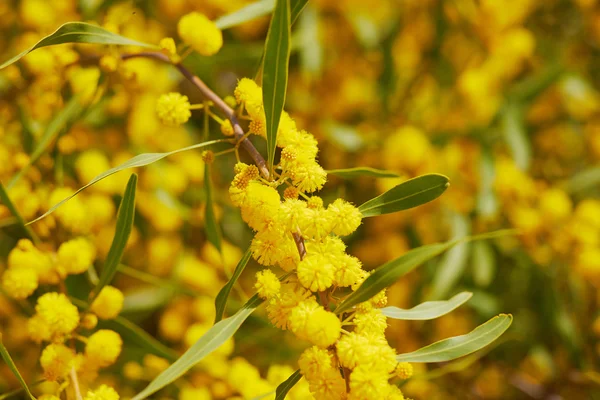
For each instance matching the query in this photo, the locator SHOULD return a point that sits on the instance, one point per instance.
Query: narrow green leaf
(429, 309)
(275, 72)
(390, 272)
(409, 194)
(221, 299)
(79, 32)
(245, 14)
(459, 346)
(122, 231)
(139, 337)
(351, 173)
(5, 199)
(13, 368)
(452, 265)
(515, 135)
(487, 200)
(59, 124)
(483, 264)
(584, 180)
(283, 389)
(138, 161)
(148, 298)
(296, 8)
(213, 231)
(209, 342)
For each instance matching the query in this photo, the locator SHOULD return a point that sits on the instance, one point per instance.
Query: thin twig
(76, 384)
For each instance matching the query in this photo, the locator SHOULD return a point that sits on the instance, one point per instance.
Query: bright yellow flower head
(109, 303)
(57, 313)
(173, 109)
(404, 370)
(323, 328)
(315, 272)
(102, 393)
(346, 217)
(267, 285)
(103, 348)
(201, 33)
(19, 283)
(56, 361)
(75, 256)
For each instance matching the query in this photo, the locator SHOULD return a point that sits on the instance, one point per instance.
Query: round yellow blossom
(267, 285)
(315, 202)
(56, 361)
(37, 329)
(314, 361)
(291, 193)
(323, 328)
(57, 313)
(19, 283)
(208, 156)
(89, 321)
(280, 307)
(109, 303)
(330, 385)
(192, 393)
(315, 272)
(371, 321)
(248, 92)
(353, 349)
(261, 206)
(267, 247)
(167, 45)
(404, 370)
(102, 393)
(173, 109)
(201, 33)
(26, 256)
(367, 383)
(309, 177)
(346, 217)
(75, 256)
(103, 347)
(133, 371)
(226, 128)
(348, 270)
(555, 205)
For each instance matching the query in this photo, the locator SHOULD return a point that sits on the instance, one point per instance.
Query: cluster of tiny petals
(267, 284)
(173, 109)
(202, 34)
(109, 303)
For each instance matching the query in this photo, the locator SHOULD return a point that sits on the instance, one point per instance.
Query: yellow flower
(173, 109)
(315, 272)
(346, 217)
(367, 383)
(56, 361)
(109, 303)
(267, 284)
(371, 321)
(57, 314)
(102, 393)
(19, 283)
(314, 361)
(75, 256)
(323, 328)
(201, 33)
(404, 370)
(103, 347)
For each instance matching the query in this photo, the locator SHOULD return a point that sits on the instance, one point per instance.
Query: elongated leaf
(287, 385)
(483, 264)
(213, 231)
(209, 342)
(296, 8)
(139, 337)
(5, 200)
(409, 194)
(390, 272)
(79, 32)
(584, 180)
(350, 173)
(515, 135)
(138, 161)
(13, 368)
(429, 309)
(245, 14)
(275, 72)
(59, 123)
(122, 232)
(459, 346)
(221, 299)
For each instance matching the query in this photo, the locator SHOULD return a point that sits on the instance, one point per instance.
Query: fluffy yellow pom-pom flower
(404, 370)
(267, 284)
(103, 347)
(56, 361)
(347, 217)
(57, 314)
(76, 256)
(19, 283)
(201, 33)
(316, 273)
(102, 393)
(173, 109)
(109, 303)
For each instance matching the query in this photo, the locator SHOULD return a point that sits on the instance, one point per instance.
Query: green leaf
(409, 194)
(221, 299)
(59, 124)
(122, 231)
(138, 161)
(584, 180)
(390, 272)
(459, 346)
(351, 173)
(79, 32)
(213, 232)
(209, 342)
(140, 337)
(515, 135)
(13, 368)
(483, 264)
(453, 263)
(5, 199)
(429, 309)
(245, 14)
(487, 201)
(345, 136)
(275, 72)
(256, 10)
(287, 385)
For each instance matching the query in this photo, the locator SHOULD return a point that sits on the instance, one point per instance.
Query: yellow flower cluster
(201, 33)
